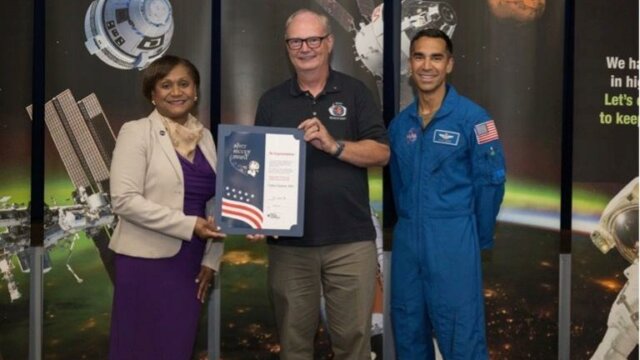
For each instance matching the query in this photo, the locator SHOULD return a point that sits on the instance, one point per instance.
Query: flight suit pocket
(489, 165)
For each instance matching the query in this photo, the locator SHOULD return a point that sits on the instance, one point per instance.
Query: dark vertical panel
(390, 103)
(566, 178)
(37, 184)
(37, 132)
(566, 189)
(216, 53)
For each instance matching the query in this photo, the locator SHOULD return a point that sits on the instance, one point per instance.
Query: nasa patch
(412, 135)
(446, 137)
(338, 111)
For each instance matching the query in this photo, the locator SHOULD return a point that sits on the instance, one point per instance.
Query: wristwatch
(339, 149)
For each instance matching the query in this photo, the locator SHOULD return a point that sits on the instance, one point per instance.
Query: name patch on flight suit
(446, 137)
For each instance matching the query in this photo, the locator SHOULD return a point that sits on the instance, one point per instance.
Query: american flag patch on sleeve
(486, 132)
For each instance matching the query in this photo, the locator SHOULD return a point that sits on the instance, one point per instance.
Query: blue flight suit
(448, 184)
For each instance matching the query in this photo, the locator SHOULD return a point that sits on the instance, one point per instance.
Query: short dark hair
(433, 33)
(160, 68)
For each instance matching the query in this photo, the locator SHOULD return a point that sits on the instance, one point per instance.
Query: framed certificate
(260, 180)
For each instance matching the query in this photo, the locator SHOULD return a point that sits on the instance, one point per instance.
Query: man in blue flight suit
(447, 172)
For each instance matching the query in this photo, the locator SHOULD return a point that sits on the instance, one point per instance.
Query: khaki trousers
(346, 274)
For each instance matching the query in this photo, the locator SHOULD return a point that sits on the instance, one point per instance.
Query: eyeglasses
(313, 42)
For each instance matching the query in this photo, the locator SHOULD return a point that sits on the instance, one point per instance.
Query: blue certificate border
(224, 167)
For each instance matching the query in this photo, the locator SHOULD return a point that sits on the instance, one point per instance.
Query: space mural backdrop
(94, 51)
(508, 58)
(605, 174)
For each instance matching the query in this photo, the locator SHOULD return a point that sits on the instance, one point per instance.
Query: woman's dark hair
(161, 68)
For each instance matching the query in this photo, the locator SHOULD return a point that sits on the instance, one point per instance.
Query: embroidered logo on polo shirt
(446, 137)
(338, 111)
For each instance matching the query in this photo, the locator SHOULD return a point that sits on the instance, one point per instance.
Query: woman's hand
(206, 229)
(204, 281)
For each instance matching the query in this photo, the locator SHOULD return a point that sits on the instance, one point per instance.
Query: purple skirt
(155, 309)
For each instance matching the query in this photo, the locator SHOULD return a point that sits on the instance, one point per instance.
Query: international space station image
(85, 141)
(128, 34)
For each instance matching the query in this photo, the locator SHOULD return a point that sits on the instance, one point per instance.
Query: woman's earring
(153, 102)
(195, 98)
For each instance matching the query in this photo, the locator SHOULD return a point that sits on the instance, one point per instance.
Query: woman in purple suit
(162, 176)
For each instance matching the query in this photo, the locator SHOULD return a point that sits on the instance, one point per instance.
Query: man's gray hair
(323, 20)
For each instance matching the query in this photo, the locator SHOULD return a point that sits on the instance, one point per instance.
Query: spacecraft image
(128, 34)
(368, 35)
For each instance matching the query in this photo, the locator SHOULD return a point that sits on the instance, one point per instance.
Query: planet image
(519, 10)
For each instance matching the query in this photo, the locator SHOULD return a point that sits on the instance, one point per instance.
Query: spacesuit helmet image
(618, 225)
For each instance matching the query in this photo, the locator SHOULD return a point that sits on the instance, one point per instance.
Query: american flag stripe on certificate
(486, 132)
(244, 212)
